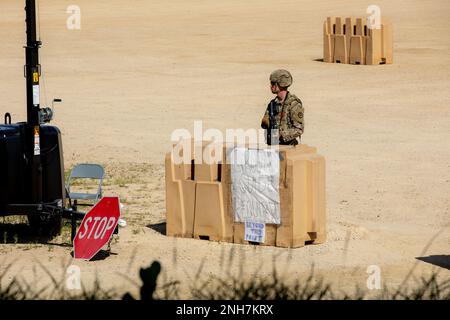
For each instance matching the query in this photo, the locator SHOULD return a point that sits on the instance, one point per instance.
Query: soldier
(287, 109)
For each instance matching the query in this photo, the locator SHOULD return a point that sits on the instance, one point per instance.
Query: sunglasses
(272, 83)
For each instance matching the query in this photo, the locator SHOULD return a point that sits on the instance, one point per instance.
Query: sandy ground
(137, 70)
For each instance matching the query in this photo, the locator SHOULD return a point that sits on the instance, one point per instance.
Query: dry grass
(218, 288)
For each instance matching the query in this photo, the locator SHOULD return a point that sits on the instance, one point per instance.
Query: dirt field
(137, 70)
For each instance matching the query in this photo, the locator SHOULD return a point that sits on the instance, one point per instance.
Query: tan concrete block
(357, 50)
(182, 171)
(289, 152)
(338, 28)
(206, 161)
(349, 40)
(328, 40)
(374, 47)
(348, 32)
(206, 172)
(226, 165)
(330, 25)
(180, 199)
(316, 196)
(203, 209)
(387, 42)
(296, 150)
(360, 28)
(318, 231)
(328, 48)
(340, 54)
(174, 216)
(340, 49)
(303, 214)
(292, 232)
(188, 189)
(211, 220)
(270, 237)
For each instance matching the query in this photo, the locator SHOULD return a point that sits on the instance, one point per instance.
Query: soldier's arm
(296, 114)
(265, 120)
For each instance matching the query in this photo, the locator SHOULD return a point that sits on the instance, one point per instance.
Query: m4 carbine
(272, 130)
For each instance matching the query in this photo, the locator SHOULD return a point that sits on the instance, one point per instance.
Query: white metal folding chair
(85, 171)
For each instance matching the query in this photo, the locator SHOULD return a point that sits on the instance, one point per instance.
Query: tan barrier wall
(350, 40)
(199, 199)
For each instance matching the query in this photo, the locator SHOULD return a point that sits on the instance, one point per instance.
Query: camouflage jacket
(288, 116)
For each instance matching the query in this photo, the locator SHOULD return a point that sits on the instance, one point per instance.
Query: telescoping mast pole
(32, 74)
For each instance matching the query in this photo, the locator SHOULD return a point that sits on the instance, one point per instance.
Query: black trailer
(31, 155)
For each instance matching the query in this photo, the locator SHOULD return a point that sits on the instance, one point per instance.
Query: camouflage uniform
(289, 119)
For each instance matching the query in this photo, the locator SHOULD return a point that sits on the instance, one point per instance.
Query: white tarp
(255, 176)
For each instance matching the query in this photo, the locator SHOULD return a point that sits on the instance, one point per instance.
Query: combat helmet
(282, 77)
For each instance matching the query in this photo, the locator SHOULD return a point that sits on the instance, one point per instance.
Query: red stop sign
(96, 228)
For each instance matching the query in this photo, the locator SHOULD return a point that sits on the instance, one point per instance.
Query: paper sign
(255, 176)
(255, 232)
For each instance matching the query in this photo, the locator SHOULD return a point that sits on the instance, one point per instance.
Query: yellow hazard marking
(35, 77)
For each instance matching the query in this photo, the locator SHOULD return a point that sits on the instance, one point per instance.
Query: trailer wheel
(45, 226)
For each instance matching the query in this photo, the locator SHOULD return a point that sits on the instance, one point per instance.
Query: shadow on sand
(158, 227)
(442, 261)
